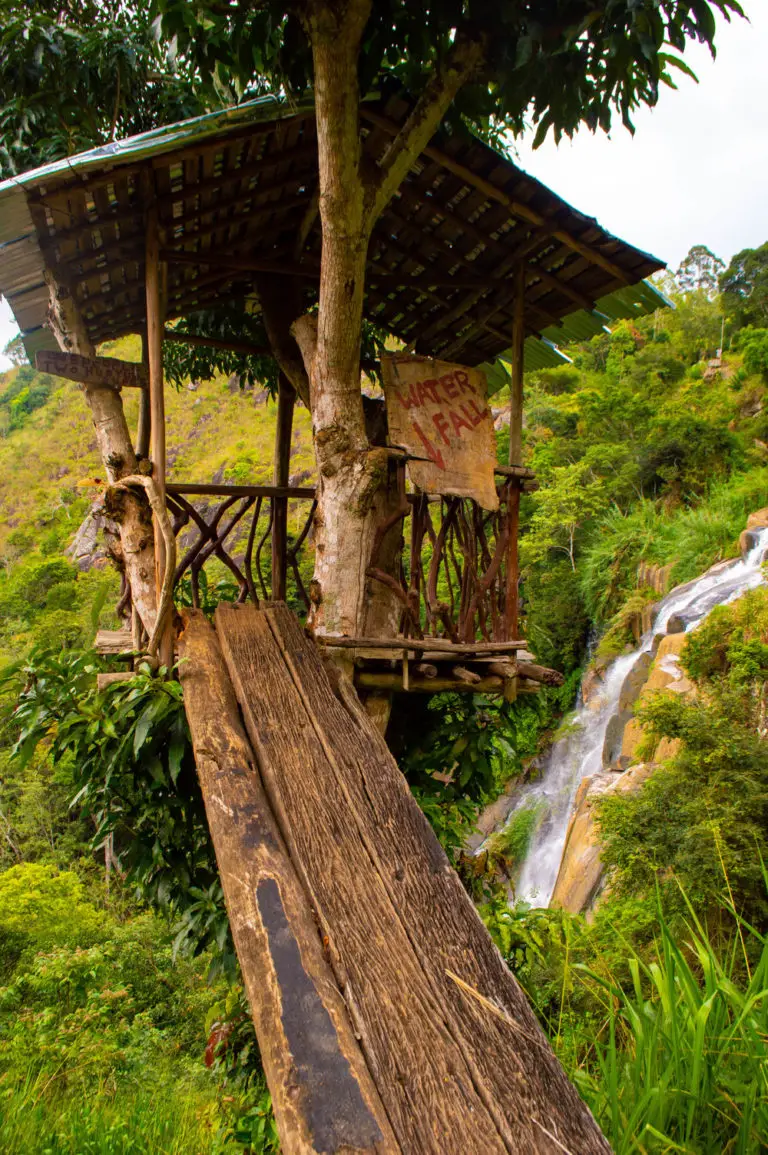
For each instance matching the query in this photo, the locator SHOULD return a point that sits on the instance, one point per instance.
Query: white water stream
(579, 752)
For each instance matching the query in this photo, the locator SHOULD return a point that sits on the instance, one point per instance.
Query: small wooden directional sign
(439, 412)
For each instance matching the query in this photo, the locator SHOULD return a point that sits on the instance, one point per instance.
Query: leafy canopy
(566, 62)
(74, 75)
(744, 288)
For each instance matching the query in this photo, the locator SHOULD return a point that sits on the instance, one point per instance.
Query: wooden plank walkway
(387, 1019)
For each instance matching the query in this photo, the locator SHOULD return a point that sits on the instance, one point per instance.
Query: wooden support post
(286, 400)
(512, 601)
(145, 419)
(323, 1095)
(516, 385)
(153, 276)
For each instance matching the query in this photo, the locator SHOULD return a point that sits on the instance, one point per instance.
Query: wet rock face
(747, 541)
(758, 519)
(580, 877)
(634, 682)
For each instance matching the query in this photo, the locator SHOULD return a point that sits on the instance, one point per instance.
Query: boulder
(614, 738)
(665, 674)
(591, 683)
(758, 519)
(634, 682)
(580, 877)
(88, 549)
(748, 539)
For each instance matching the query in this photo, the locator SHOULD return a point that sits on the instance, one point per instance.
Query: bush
(43, 906)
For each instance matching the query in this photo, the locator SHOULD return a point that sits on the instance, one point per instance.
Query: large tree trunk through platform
(353, 192)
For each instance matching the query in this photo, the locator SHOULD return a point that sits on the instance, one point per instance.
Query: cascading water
(579, 752)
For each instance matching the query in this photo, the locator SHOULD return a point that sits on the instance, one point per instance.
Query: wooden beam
(516, 208)
(323, 1095)
(206, 489)
(394, 683)
(231, 261)
(421, 645)
(541, 674)
(558, 284)
(516, 385)
(244, 347)
(438, 280)
(98, 371)
(144, 424)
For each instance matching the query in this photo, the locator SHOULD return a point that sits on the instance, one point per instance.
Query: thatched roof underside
(236, 198)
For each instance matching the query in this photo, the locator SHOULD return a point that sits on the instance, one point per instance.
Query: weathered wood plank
(117, 643)
(394, 683)
(420, 645)
(424, 1080)
(109, 371)
(322, 1091)
(487, 1016)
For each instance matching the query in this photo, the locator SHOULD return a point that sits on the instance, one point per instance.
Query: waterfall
(578, 753)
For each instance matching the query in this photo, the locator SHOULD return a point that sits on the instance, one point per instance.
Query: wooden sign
(439, 412)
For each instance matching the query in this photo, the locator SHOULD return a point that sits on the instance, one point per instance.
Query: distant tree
(744, 288)
(699, 271)
(15, 351)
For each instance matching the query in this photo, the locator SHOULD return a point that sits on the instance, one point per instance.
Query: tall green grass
(681, 1061)
(691, 538)
(171, 1120)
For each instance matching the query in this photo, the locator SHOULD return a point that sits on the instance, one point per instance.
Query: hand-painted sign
(439, 413)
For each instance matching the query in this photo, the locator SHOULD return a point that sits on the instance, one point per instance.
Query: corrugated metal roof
(544, 353)
(22, 268)
(158, 140)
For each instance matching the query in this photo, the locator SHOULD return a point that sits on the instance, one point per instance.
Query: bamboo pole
(512, 601)
(153, 278)
(286, 400)
(145, 420)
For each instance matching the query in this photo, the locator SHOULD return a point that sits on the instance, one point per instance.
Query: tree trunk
(350, 472)
(130, 511)
(136, 550)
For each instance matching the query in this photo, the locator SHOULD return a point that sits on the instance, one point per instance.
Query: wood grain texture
(322, 1091)
(423, 1078)
(513, 1069)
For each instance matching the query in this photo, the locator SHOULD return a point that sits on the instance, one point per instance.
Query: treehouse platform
(386, 1018)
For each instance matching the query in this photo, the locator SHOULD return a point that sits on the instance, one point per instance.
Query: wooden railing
(255, 532)
(457, 576)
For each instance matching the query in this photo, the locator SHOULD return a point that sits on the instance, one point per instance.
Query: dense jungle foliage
(116, 965)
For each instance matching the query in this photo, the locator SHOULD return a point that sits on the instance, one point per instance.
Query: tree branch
(280, 307)
(429, 110)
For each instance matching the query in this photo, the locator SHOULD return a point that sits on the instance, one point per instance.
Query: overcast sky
(695, 172)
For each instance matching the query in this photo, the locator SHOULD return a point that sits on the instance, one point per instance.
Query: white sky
(696, 171)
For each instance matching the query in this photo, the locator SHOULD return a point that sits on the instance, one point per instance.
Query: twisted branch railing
(457, 569)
